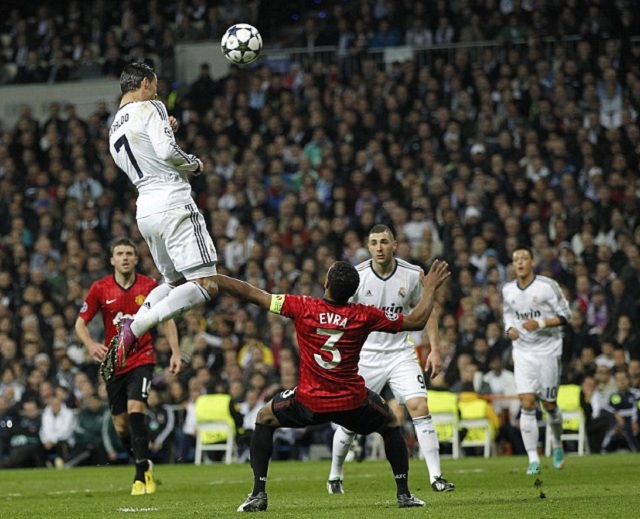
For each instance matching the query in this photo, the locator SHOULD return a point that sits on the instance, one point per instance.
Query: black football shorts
(371, 416)
(132, 385)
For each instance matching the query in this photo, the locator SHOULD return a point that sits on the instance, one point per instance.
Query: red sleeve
(292, 306)
(91, 304)
(383, 321)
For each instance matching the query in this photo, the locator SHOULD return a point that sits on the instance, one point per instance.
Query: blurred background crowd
(464, 155)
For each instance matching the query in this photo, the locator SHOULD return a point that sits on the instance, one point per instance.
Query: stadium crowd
(464, 159)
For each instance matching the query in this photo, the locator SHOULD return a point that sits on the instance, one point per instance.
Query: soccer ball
(241, 43)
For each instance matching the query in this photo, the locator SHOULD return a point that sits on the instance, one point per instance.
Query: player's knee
(417, 407)
(390, 423)
(266, 417)
(210, 285)
(528, 403)
(122, 429)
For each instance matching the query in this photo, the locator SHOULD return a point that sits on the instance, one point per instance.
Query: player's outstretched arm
(417, 319)
(243, 290)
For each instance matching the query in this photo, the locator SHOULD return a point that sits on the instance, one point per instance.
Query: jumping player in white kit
(535, 310)
(142, 144)
(393, 285)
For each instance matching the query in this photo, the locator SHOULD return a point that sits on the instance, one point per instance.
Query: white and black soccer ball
(241, 43)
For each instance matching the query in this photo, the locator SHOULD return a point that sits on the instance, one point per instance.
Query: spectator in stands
(8, 417)
(160, 421)
(56, 431)
(94, 435)
(622, 415)
(26, 449)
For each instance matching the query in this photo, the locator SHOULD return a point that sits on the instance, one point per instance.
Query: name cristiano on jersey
(117, 123)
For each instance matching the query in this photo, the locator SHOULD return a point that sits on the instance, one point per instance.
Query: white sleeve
(507, 311)
(69, 425)
(560, 304)
(46, 428)
(163, 141)
(190, 422)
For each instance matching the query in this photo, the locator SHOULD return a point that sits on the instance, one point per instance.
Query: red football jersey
(115, 302)
(330, 338)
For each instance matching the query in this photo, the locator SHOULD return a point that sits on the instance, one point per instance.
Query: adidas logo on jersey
(368, 294)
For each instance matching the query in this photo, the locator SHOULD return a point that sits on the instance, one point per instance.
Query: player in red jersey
(330, 333)
(129, 380)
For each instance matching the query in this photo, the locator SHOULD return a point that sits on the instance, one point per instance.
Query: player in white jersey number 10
(535, 310)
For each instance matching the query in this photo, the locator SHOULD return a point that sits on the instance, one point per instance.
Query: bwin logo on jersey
(531, 314)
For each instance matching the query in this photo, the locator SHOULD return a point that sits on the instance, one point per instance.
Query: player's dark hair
(380, 228)
(124, 241)
(524, 247)
(133, 74)
(343, 281)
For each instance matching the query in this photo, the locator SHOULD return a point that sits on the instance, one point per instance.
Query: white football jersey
(398, 293)
(541, 299)
(143, 146)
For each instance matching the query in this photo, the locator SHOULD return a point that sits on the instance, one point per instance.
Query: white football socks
(342, 440)
(429, 445)
(178, 300)
(156, 295)
(529, 432)
(555, 423)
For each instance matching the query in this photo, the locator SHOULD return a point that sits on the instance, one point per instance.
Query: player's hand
(200, 168)
(173, 122)
(531, 325)
(438, 274)
(97, 351)
(513, 334)
(175, 364)
(434, 363)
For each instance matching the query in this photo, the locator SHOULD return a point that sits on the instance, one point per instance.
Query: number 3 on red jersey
(330, 346)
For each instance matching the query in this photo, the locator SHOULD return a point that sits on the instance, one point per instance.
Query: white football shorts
(401, 370)
(180, 243)
(538, 374)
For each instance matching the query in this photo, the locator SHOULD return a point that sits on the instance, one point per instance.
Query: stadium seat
(209, 437)
(573, 420)
(443, 406)
(215, 429)
(480, 431)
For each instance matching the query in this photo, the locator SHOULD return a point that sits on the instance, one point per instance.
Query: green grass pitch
(588, 487)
